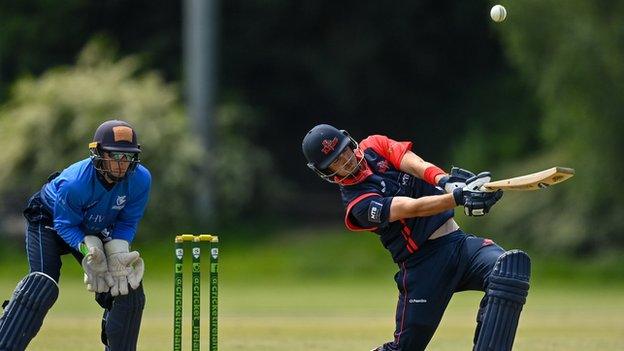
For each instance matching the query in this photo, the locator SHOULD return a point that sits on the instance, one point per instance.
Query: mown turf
(341, 316)
(300, 293)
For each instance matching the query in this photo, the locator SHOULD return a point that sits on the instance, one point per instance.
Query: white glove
(476, 183)
(96, 276)
(125, 267)
(456, 179)
(476, 201)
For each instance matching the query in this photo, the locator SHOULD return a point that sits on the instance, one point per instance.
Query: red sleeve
(348, 222)
(391, 150)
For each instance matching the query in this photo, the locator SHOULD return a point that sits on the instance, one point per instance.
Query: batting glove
(476, 202)
(456, 179)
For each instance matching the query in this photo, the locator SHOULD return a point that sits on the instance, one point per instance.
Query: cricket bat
(533, 181)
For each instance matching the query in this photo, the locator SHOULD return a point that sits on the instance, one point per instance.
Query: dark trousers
(426, 282)
(44, 248)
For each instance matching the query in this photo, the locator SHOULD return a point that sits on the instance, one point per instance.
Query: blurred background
(221, 94)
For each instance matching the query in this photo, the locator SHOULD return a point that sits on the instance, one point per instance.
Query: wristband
(431, 173)
(83, 248)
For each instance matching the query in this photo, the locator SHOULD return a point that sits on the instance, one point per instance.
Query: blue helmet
(115, 136)
(322, 145)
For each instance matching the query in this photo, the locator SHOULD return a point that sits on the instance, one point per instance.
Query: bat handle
(486, 188)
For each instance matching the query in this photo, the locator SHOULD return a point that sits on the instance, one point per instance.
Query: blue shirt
(81, 205)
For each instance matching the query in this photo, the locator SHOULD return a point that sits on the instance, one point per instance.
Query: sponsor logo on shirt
(405, 179)
(120, 202)
(95, 218)
(374, 212)
(106, 235)
(417, 300)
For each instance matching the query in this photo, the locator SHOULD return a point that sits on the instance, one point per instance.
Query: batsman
(90, 210)
(409, 203)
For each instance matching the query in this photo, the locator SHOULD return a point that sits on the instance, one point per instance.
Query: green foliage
(39, 34)
(570, 52)
(49, 121)
(244, 171)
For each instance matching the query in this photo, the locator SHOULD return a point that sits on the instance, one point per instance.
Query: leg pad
(506, 294)
(24, 314)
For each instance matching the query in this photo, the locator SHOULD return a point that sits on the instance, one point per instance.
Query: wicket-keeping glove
(96, 275)
(124, 266)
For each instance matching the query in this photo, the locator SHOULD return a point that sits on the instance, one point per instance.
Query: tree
(572, 58)
(49, 121)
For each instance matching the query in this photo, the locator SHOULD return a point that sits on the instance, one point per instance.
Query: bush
(572, 58)
(49, 121)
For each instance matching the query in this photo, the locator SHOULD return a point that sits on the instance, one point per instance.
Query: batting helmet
(322, 145)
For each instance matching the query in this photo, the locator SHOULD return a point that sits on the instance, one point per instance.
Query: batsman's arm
(416, 166)
(403, 207)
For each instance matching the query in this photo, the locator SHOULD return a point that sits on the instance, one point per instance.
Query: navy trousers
(426, 282)
(44, 248)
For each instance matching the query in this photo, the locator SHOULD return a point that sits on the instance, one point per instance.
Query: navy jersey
(368, 196)
(81, 205)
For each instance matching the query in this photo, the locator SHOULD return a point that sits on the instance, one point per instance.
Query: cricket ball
(498, 13)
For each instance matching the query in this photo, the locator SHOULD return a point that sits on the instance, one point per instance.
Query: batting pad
(506, 294)
(23, 316)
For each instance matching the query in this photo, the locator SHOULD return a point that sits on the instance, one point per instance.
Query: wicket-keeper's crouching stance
(91, 210)
(408, 202)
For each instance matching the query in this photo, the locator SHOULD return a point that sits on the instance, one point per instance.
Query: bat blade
(533, 181)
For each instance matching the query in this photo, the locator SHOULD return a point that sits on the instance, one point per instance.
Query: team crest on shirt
(382, 166)
(120, 202)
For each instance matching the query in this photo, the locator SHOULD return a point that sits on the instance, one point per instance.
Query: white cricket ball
(498, 13)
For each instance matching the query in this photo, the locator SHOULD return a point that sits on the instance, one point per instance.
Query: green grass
(327, 292)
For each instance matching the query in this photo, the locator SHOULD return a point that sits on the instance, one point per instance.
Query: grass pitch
(339, 315)
(282, 297)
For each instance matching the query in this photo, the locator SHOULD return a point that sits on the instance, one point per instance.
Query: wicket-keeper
(91, 210)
